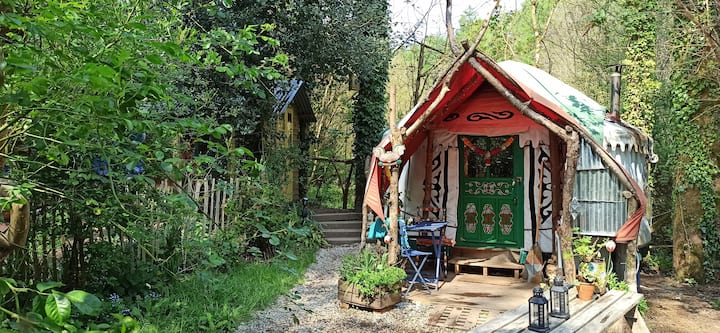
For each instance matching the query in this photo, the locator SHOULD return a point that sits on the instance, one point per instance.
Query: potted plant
(366, 280)
(591, 277)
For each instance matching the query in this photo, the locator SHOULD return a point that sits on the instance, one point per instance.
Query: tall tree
(686, 131)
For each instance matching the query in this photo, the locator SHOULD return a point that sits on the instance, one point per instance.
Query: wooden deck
(613, 312)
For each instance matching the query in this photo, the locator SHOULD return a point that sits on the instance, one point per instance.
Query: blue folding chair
(410, 254)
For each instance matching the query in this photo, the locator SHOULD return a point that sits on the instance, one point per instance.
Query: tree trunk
(393, 247)
(687, 237)
(396, 140)
(565, 226)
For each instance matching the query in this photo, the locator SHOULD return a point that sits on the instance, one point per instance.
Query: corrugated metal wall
(601, 208)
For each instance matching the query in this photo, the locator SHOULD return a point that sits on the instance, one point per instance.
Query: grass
(219, 302)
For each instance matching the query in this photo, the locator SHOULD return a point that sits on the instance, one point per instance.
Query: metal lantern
(559, 307)
(538, 314)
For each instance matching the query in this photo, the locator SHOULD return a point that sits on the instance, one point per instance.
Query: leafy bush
(614, 283)
(370, 272)
(265, 224)
(114, 269)
(659, 261)
(55, 311)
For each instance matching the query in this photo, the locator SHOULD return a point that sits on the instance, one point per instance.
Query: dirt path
(680, 308)
(314, 307)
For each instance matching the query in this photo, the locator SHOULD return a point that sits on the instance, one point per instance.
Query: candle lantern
(559, 307)
(538, 312)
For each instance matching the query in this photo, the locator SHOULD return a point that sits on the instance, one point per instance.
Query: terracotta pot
(585, 291)
(348, 294)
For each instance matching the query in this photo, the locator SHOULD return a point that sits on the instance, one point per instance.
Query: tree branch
(449, 27)
(445, 80)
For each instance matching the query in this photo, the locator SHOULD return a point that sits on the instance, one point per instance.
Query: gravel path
(318, 295)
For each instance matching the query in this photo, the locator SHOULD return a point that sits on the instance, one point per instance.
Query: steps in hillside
(340, 227)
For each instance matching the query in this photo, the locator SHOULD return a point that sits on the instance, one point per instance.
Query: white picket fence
(211, 195)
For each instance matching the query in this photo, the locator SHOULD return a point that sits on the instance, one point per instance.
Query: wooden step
(340, 227)
(344, 216)
(355, 224)
(503, 260)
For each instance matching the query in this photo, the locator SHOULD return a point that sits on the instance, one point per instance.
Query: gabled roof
(542, 93)
(293, 91)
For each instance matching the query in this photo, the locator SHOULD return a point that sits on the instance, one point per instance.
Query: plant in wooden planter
(591, 267)
(367, 280)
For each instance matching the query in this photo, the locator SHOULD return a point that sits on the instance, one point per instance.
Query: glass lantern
(538, 311)
(559, 307)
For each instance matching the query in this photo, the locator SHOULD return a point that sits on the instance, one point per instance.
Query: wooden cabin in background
(294, 114)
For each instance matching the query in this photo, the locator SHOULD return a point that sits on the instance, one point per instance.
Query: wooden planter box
(349, 295)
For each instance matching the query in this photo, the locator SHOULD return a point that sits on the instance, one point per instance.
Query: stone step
(348, 216)
(343, 240)
(339, 226)
(348, 232)
(328, 225)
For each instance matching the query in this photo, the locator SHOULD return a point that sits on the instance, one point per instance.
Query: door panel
(490, 206)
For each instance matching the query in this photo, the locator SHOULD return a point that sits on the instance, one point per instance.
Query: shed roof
(293, 91)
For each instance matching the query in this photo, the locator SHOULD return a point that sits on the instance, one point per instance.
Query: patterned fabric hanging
(491, 153)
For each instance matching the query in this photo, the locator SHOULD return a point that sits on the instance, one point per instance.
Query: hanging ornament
(391, 156)
(610, 245)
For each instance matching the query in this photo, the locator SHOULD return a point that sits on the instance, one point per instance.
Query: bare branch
(449, 27)
(446, 78)
(708, 34)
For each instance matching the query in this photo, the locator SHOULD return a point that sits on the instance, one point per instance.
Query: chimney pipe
(615, 84)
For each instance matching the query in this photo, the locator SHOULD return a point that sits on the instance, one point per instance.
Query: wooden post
(556, 176)
(631, 254)
(428, 175)
(565, 227)
(396, 140)
(363, 231)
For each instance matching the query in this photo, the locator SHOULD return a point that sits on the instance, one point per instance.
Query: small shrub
(715, 304)
(615, 284)
(370, 273)
(659, 261)
(643, 306)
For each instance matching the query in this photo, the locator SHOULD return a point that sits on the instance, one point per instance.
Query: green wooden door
(490, 206)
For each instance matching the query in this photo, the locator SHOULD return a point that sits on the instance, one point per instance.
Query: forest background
(103, 100)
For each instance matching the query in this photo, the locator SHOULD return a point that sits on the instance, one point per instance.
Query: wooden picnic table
(615, 311)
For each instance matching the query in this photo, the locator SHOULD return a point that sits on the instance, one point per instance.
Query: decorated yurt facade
(493, 150)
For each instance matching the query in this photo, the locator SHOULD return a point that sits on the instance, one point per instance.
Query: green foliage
(55, 311)
(715, 304)
(369, 118)
(690, 281)
(660, 260)
(685, 132)
(640, 82)
(643, 306)
(266, 225)
(586, 248)
(369, 271)
(214, 302)
(614, 284)
(102, 100)
(117, 270)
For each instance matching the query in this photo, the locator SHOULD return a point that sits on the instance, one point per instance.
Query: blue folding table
(436, 231)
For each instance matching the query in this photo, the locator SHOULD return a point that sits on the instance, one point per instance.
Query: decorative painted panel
(488, 188)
